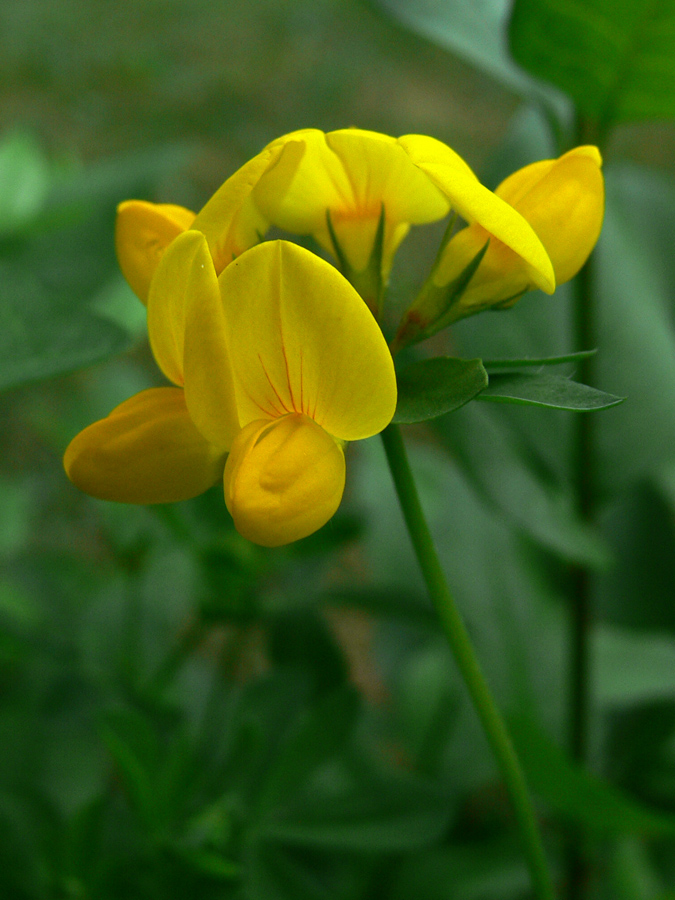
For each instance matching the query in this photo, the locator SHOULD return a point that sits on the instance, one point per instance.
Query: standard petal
(351, 173)
(283, 479)
(563, 200)
(295, 193)
(476, 203)
(175, 279)
(209, 388)
(302, 340)
(231, 221)
(142, 232)
(146, 451)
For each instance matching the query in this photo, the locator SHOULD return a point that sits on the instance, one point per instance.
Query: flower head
(277, 362)
(562, 200)
(230, 221)
(354, 177)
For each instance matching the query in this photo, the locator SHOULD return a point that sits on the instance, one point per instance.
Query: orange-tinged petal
(563, 200)
(477, 204)
(230, 220)
(501, 276)
(295, 194)
(209, 388)
(302, 340)
(142, 232)
(146, 451)
(283, 479)
(353, 174)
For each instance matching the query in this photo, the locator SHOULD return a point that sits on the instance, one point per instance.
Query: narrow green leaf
(577, 794)
(384, 817)
(432, 387)
(210, 863)
(544, 389)
(529, 361)
(314, 738)
(615, 58)
(490, 451)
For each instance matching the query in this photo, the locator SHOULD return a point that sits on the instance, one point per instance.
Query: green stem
(460, 644)
(581, 612)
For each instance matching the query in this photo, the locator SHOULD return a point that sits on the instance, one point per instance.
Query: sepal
(369, 282)
(436, 306)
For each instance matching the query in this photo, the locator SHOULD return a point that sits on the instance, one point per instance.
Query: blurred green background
(185, 715)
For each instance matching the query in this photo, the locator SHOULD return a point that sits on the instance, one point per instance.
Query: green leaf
(529, 361)
(544, 389)
(493, 456)
(314, 738)
(615, 58)
(633, 667)
(577, 794)
(24, 181)
(636, 331)
(476, 869)
(383, 816)
(432, 387)
(42, 336)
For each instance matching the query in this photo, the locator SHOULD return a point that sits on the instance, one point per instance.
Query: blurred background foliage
(185, 715)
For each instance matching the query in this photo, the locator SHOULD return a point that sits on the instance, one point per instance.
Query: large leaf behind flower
(615, 58)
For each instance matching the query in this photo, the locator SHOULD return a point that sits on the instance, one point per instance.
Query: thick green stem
(460, 644)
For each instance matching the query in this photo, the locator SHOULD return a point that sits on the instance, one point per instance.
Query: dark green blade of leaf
(476, 870)
(316, 737)
(577, 794)
(529, 361)
(432, 387)
(544, 389)
(41, 337)
(492, 455)
(273, 874)
(615, 58)
(385, 817)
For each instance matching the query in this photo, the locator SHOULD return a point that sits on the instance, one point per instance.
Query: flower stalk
(467, 662)
(581, 613)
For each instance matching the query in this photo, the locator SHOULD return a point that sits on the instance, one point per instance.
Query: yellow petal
(146, 451)
(230, 220)
(142, 233)
(296, 194)
(283, 479)
(302, 340)
(563, 200)
(351, 173)
(209, 388)
(501, 276)
(476, 203)
(169, 289)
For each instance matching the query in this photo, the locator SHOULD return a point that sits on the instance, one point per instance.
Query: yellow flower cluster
(275, 360)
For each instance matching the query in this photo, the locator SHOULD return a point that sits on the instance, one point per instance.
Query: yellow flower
(562, 200)
(355, 176)
(277, 362)
(230, 221)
